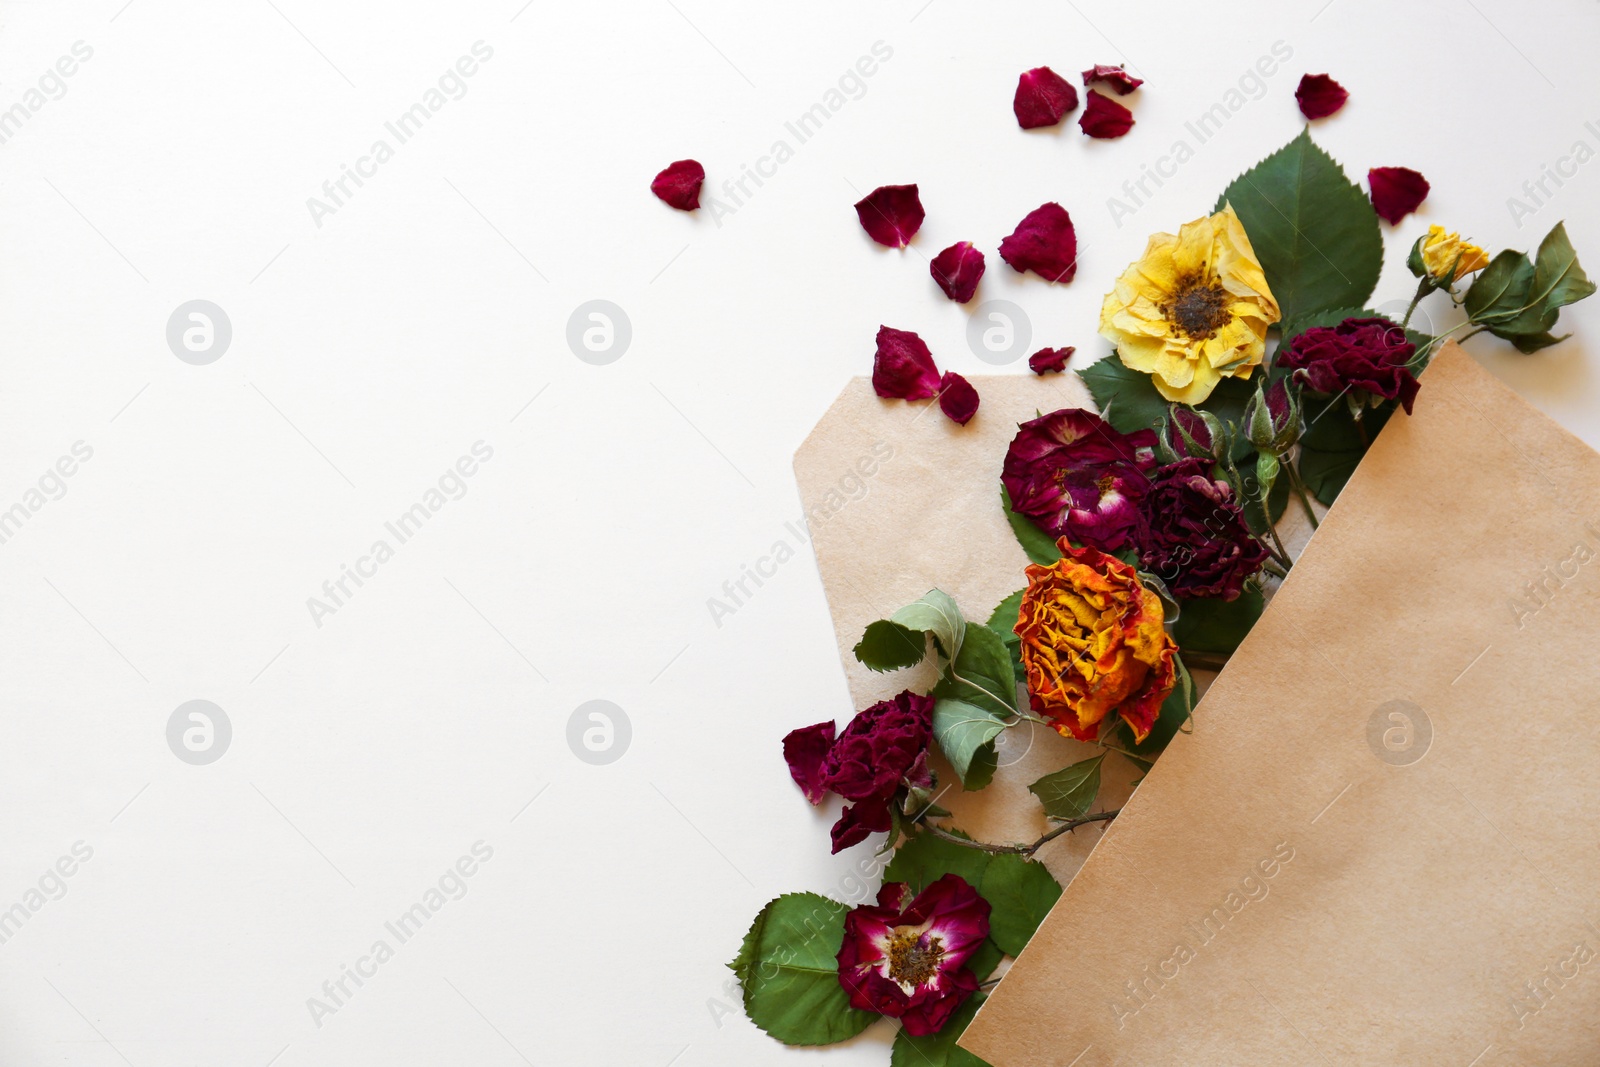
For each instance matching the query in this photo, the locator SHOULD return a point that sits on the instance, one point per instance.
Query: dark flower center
(1199, 308)
(911, 960)
(1105, 484)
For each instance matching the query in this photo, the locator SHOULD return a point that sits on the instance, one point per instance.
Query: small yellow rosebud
(1442, 251)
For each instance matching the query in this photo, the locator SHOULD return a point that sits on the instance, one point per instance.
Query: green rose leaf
(788, 969)
(1020, 893)
(1217, 626)
(1127, 398)
(986, 959)
(924, 858)
(939, 1049)
(966, 735)
(1040, 546)
(935, 613)
(1520, 299)
(1314, 230)
(983, 673)
(1558, 279)
(1004, 623)
(1069, 792)
(888, 646)
(1292, 328)
(1333, 444)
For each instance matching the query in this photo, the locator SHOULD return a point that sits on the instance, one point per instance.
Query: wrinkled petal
(1122, 83)
(1367, 356)
(1044, 242)
(1104, 117)
(891, 214)
(1050, 360)
(930, 1016)
(957, 398)
(1043, 98)
(1396, 191)
(957, 270)
(858, 822)
(1320, 96)
(1076, 476)
(907, 958)
(903, 367)
(1194, 534)
(679, 184)
(805, 750)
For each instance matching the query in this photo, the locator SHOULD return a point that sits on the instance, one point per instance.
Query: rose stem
(1023, 850)
(1300, 491)
(1206, 661)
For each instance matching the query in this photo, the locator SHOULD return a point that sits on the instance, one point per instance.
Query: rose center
(1199, 309)
(1105, 484)
(911, 959)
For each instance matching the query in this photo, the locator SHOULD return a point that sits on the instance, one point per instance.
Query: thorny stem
(1023, 850)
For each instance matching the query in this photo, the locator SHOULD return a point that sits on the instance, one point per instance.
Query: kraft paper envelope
(1381, 843)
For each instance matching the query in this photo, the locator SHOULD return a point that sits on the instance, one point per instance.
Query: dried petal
(891, 214)
(1043, 98)
(957, 270)
(1320, 96)
(1396, 191)
(903, 368)
(957, 398)
(806, 750)
(1050, 360)
(1104, 117)
(1044, 242)
(1122, 83)
(679, 184)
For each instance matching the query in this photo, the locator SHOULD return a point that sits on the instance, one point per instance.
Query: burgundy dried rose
(1050, 360)
(679, 184)
(1104, 118)
(1045, 242)
(1122, 83)
(1043, 98)
(1319, 96)
(957, 398)
(1396, 191)
(891, 214)
(902, 368)
(908, 958)
(1194, 536)
(957, 270)
(1076, 476)
(1368, 357)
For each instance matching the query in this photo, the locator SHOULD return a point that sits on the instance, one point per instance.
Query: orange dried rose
(1093, 644)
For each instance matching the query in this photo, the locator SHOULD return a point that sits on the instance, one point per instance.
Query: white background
(371, 752)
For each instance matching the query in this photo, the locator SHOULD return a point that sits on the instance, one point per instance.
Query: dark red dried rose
(1193, 535)
(679, 184)
(1050, 360)
(903, 367)
(805, 750)
(891, 214)
(872, 759)
(957, 270)
(1043, 98)
(1396, 191)
(1076, 476)
(1319, 96)
(1122, 83)
(957, 398)
(1369, 357)
(1104, 118)
(1044, 242)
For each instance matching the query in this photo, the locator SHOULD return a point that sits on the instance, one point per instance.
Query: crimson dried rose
(871, 760)
(1076, 476)
(891, 214)
(957, 270)
(902, 368)
(1396, 191)
(957, 398)
(1043, 97)
(1368, 357)
(1319, 96)
(1122, 83)
(1045, 242)
(1194, 536)
(679, 184)
(1050, 360)
(1104, 118)
(907, 958)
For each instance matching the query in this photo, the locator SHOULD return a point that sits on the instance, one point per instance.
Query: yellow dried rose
(1442, 250)
(1193, 310)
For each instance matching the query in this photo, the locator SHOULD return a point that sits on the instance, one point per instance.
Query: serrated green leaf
(788, 969)
(1020, 893)
(1069, 793)
(1127, 398)
(966, 735)
(983, 673)
(1004, 623)
(925, 858)
(1292, 328)
(986, 959)
(1217, 626)
(1499, 295)
(1039, 546)
(1314, 230)
(935, 613)
(939, 1049)
(888, 646)
(1332, 446)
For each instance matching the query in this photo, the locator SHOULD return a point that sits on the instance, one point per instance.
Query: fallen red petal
(1396, 191)
(1043, 98)
(1045, 242)
(1050, 360)
(957, 398)
(891, 214)
(903, 367)
(1121, 82)
(1320, 96)
(679, 184)
(1104, 117)
(805, 751)
(957, 270)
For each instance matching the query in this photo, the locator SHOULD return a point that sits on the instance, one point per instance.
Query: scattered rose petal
(957, 270)
(1045, 242)
(957, 398)
(903, 368)
(891, 214)
(1043, 98)
(679, 184)
(1104, 117)
(1396, 191)
(1050, 360)
(1320, 96)
(805, 750)
(1122, 83)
